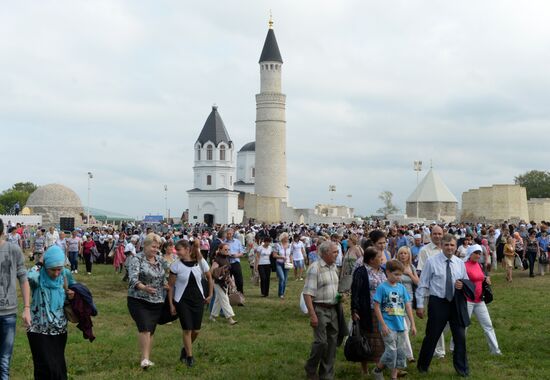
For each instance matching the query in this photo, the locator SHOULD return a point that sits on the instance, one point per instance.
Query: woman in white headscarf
(477, 305)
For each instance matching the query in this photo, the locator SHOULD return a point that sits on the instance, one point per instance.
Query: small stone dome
(249, 147)
(53, 195)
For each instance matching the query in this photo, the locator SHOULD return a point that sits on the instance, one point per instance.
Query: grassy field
(272, 338)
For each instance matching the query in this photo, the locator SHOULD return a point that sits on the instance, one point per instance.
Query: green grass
(272, 339)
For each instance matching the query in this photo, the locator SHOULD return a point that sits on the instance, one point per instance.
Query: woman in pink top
(477, 305)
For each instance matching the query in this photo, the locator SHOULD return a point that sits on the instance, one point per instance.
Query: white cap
(472, 249)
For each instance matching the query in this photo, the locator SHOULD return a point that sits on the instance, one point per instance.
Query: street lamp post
(166, 202)
(90, 176)
(417, 169)
(332, 190)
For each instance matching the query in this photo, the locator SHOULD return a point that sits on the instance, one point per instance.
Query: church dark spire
(214, 129)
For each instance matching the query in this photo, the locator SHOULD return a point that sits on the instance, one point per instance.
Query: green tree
(27, 187)
(536, 182)
(389, 207)
(19, 192)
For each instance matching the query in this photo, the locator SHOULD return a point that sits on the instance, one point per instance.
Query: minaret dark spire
(271, 52)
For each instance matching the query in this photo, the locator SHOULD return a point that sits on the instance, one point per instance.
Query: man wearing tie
(440, 279)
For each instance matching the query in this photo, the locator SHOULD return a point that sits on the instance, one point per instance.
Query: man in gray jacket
(12, 268)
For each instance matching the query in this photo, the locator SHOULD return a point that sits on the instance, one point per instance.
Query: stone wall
(440, 211)
(495, 204)
(539, 209)
(27, 220)
(272, 210)
(51, 215)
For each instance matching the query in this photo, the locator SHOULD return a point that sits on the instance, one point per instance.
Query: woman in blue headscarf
(47, 335)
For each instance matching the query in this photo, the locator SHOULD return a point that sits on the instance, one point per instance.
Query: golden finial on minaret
(270, 20)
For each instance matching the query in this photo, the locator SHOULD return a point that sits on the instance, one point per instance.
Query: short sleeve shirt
(392, 300)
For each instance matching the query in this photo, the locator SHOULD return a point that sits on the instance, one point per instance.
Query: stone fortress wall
(495, 204)
(539, 209)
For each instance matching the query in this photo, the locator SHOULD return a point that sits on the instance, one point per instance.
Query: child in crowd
(391, 301)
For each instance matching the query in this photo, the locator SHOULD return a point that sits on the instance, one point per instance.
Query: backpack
(543, 258)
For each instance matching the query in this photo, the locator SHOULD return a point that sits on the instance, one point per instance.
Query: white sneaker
(378, 375)
(146, 363)
(76, 271)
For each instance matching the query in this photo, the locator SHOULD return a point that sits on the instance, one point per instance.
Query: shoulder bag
(357, 347)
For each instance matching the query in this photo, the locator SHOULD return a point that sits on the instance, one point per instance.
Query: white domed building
(246, 168)
(54, 202)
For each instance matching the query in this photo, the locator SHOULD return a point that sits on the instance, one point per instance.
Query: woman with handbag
(187, 296)
(410, 280)
(366, 280)
(477, 305)
(222, 277)
(283, 254)
(146, 293)
(47, 334)
(353, 254)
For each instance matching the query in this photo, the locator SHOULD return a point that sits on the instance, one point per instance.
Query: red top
(87, 247)
(476, 275)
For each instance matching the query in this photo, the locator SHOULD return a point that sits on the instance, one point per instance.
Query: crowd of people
(383, 273)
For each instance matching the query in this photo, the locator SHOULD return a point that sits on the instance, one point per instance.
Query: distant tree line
(17, 193)
(536, 182)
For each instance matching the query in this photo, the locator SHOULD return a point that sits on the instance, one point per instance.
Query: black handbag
(357, 347)
(487, 294)
(165, 315)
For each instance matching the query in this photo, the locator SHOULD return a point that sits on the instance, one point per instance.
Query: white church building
(213, 199)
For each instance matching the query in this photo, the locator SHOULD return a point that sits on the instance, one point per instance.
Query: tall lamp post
(90, 176)
(166, 202)
(331, 190)
(417, 169)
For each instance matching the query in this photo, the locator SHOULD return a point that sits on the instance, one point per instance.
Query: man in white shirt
(430, 249)
(426, 252)
(51, 237)
(439, 279)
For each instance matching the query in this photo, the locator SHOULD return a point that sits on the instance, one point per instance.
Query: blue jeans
(73, 258)
(7, 334)
(282, 275)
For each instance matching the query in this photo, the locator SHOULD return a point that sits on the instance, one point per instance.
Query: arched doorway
(209, 219)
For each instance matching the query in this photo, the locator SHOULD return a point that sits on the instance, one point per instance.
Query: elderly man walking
(320, 295)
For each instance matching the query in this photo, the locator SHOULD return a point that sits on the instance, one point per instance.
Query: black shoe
(183, 355)
(190, 361)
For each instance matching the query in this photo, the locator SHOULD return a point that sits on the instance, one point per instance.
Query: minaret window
(222, 153)
(253, 172)
(209, 180)
(209, 152)
(199, 154)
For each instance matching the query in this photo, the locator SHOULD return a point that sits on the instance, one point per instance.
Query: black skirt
(191, 306)
(145, 314)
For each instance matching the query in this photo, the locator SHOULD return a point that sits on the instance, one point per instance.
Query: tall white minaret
(271, 123)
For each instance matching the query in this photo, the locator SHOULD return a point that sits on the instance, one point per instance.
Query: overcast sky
(123, 88)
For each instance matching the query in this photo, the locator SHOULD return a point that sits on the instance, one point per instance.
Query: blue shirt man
(236, 251)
